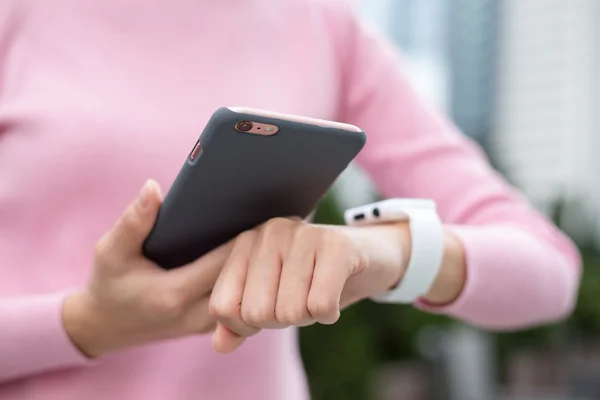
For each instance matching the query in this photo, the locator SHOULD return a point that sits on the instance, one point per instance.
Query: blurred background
(521, 77)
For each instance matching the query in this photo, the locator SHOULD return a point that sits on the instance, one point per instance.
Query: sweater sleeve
(521, 269)
(32, 337)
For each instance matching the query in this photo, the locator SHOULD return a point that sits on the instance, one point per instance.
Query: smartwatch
(427, 242)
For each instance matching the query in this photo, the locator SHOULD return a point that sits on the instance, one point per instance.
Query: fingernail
(144, 197)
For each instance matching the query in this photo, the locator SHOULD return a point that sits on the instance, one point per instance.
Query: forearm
(452, 275)
(32, 337)
(496, 276)
(513, 279)
(388, 251)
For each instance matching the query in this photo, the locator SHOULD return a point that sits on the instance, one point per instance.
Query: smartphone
(247, 167)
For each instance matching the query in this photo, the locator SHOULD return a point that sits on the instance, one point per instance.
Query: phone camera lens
(244, 126)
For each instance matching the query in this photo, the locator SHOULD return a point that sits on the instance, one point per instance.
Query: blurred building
(545, 137)
(471, 48)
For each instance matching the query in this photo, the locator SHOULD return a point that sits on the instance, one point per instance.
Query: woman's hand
(131, 301)
(292, 273)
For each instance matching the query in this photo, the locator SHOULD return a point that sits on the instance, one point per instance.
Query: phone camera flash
(268, 129)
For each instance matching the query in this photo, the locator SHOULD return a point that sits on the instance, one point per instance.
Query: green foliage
(586, 318)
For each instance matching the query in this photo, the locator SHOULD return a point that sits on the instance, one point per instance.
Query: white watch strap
(427, 243)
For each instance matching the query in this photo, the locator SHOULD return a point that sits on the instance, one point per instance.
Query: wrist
(80, 325)
(403, 239)
(386, 249)
(433, 264)
(450, 281)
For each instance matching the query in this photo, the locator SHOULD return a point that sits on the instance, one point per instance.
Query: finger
(264, 271)
(334, 264)
(296, 277)
(226, 298)
(225, 341)
(128, 234)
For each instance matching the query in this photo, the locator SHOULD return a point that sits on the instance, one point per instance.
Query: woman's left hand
(292, 273)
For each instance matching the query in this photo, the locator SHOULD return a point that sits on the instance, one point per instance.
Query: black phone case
(241, 180)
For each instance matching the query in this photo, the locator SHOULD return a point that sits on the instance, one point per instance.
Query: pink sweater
(96, 96)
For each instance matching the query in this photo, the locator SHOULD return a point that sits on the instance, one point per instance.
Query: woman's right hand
(131, 301)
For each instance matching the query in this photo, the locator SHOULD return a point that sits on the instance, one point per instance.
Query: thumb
(225, 341)
(130, 231)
